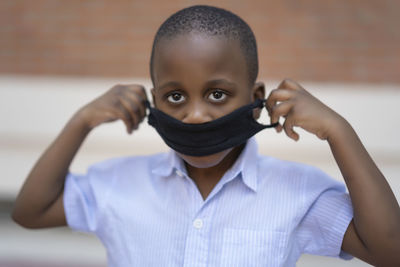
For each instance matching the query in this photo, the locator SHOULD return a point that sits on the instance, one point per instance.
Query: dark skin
(195, 81)
(198, 79)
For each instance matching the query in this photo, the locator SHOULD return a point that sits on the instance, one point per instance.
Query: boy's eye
(217, 96)
(176, 98)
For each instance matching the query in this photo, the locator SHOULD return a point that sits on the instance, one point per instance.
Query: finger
(133, 110)
(139, 101)
(288, 127)
(289, 84)
(136, 105)
(277, 95)
(278, 128)
(123, 114)
(139, 94)
(281, 109)
(139, 90)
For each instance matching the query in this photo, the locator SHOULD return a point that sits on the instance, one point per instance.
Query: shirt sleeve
(84, 197)
(329, 214)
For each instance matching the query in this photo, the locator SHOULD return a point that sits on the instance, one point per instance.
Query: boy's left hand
(374, 204)
(299, 108)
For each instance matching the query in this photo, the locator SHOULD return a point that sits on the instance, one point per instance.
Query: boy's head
(203, 66)
(213, 22)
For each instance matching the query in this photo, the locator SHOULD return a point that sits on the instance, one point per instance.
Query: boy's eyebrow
(171, 83)
(219, 81)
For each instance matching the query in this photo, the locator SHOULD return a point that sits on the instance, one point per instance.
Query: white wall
(33, 110)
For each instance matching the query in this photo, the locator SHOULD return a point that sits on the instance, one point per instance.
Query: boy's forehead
(198, 45)
(190, 53)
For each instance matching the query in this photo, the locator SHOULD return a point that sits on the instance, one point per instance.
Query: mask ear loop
(262, 105)
(263, 101)
(147, 104)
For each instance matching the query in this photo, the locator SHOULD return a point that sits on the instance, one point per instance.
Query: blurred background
(56, 56)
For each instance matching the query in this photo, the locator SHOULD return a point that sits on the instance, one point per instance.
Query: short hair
(212, 21)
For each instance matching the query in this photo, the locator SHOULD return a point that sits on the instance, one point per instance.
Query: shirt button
(198, 223)
(179, 173)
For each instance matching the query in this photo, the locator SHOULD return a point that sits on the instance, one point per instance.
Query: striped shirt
(263, 212)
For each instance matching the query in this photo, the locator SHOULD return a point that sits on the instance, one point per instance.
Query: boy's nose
(196, 114)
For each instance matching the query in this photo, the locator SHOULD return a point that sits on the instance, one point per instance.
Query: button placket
(198, 223)
(198, 237)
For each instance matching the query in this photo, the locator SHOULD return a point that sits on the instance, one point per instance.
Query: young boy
(212, 200)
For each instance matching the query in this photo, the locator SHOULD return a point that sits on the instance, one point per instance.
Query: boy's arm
(40, 201)
(374, 233)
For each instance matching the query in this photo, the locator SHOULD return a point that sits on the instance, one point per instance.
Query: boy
(212, 200)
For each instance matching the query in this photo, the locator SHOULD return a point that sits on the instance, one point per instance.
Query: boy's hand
(300, 108)
(125, 102)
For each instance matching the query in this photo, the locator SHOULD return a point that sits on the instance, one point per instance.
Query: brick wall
(332, 40)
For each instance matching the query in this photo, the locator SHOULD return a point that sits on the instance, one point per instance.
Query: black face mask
(210, 137)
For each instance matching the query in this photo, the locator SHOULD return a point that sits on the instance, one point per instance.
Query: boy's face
(198, 78)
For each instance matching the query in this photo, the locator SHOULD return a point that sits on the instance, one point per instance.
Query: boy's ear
(257, 92)
(153, 97)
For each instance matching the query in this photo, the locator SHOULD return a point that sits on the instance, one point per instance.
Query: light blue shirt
(263, 212)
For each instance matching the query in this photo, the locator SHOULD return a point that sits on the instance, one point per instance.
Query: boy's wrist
(338, 129)
(80, 120)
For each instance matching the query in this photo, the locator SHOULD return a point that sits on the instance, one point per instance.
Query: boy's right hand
(42, 206)
(125, 102)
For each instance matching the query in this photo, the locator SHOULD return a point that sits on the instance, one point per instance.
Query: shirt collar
(245, 165)
(167, 163)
